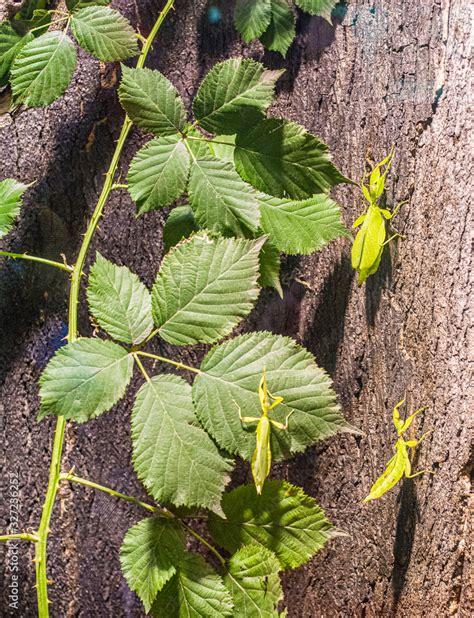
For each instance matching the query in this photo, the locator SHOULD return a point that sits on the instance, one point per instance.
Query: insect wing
(262, 456)
(393, 473)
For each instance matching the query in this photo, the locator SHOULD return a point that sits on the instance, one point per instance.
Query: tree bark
(383, 73)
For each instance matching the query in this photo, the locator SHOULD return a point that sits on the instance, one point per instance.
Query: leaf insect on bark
(400, 464)
(262, 456)
(371, 238)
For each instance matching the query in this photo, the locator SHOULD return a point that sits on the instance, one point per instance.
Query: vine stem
(22, 536)
(163, 359)
(34, 258)
(149, 507)
(117, 494)
(55, 466)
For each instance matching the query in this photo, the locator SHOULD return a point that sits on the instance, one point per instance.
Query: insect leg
(245, 419)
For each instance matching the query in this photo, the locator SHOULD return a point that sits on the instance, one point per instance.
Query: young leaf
(270, 268)
(119, 302)
(234, 93)
(280, 33)
(283, 517)
(173, 457)
(252, 18)
(323, 8)
(229, 380)
(158, 173)
(254, 583)
(43, 69)
(282, 159)
(300, 228)
(221, 200)
(180, 224)
(151, 101)
(11, 192)
(205, 287)
(74, 5)
(149, 554)
(104, 33)
(11, 42)
(195, 591)
(84, 379)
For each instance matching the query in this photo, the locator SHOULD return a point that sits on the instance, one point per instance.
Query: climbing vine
(254, 186)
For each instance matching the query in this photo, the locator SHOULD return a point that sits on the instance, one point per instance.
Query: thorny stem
(163, 359)
(55, 466)
(34, 258)
(22, 536)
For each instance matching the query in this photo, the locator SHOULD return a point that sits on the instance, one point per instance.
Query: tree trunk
(385, 72)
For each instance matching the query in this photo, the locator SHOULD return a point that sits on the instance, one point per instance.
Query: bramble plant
(399, 466)
(371, 239)
(273, 21)
(256, 186)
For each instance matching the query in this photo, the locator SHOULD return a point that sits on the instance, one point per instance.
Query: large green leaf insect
(371, 238)
(262, 456)
(400, 464)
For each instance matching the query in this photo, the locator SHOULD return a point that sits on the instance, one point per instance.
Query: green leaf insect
(400, 464)
(371, 238)
(262, 456)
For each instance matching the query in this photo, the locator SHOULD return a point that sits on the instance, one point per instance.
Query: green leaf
(205, 287)
(229, 380)
(196, 591)
(222, 147)
(323, 8)
(119, 302)
(280, 33)
(158, 173)
(172, 455)
(233, 94)
(180, 224)
(252, 18)
(270, 268)
(221, 200)
(28, 8)
(254, 582)
(11, 42)
(11, 192)
(74, 5)
(38, 22)
(104, 33)
(43, 69)
(149, 554)
(283, 517)
(301, 227)
(84, 379)
(282, 159)
(151, 101)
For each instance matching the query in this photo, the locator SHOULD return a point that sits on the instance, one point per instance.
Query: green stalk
(22, 536)
(116, 494)
(55, 467)
(33, 258)
(163, 359)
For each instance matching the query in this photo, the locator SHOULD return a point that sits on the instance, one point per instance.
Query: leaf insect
(262, 456)
(400, 464)
(371, 238)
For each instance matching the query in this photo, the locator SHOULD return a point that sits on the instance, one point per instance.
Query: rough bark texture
(385, 72)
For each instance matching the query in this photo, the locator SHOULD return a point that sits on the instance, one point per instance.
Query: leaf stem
(34, 258)
(22, 536)
(202, 540)
(207, 140)
(55, 466)
(163, 359)
(116, 494)
(141, 367)
(117, 186)
(51, 23)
